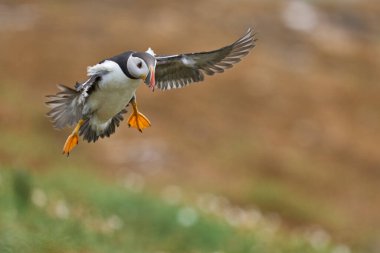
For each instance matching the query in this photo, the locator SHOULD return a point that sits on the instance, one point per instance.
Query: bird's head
(142, 66)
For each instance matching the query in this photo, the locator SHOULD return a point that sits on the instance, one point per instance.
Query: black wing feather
(177, 71)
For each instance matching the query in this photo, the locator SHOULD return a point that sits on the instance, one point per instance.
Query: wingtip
(251, 33)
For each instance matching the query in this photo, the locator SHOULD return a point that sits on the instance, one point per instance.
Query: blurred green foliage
(21, 189)
(78, 212)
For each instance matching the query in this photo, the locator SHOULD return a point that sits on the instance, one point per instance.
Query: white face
(137, 67)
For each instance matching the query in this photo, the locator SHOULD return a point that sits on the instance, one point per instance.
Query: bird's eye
(139, 65)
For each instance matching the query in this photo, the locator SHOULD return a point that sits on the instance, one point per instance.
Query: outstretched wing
(177, 71)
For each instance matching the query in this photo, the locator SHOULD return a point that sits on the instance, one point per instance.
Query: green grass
(75, 211)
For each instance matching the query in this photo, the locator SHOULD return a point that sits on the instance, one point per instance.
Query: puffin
(96, 107)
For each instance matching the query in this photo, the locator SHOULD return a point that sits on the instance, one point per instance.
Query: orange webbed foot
(139, 121)
(70, 143)
(73, 139)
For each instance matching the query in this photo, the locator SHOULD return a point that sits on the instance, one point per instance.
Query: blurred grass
(274, 196)
(75, 211)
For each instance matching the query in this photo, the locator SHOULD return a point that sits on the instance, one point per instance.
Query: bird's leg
(73, 139)
(137, 119)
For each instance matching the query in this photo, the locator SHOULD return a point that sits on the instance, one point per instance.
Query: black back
(121, 60)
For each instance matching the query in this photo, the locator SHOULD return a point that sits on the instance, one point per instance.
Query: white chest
(114, 92)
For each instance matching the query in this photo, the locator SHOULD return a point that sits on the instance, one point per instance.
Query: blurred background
(278, 154)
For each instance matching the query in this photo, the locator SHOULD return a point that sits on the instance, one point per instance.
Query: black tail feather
(91, 135)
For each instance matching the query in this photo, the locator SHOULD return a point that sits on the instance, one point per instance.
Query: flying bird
(95, 107)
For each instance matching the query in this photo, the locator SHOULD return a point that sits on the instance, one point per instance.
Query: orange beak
(150, 79)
